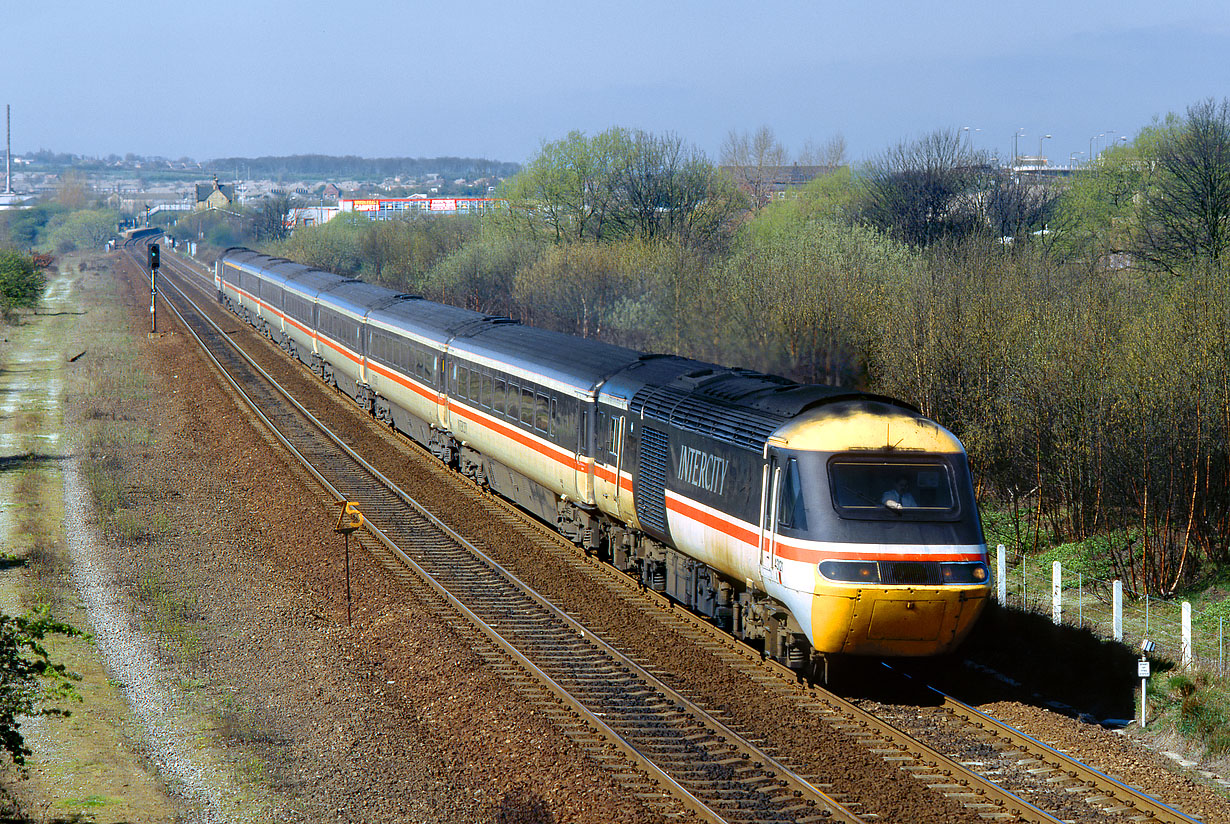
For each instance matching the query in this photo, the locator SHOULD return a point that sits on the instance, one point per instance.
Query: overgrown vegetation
(1197, 707)
(1076, 337)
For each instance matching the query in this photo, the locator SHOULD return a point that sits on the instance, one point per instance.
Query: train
(811, 521)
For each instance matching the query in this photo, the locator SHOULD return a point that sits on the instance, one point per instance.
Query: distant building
(214, 195)
(769, 182)
(332, 192)
(388, 208)
(310, 216)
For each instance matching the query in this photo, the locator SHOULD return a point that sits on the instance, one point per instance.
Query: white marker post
(1057, 592)
(1142, 672)
(1001, 574)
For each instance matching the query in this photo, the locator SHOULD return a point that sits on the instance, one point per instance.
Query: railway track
(706, 767)
(653, 736)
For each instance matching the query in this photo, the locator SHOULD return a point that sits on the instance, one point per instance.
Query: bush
(21, 282)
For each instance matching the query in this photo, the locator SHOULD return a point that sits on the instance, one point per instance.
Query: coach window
(497, 402)
(555, 424)
(485, 398)
(527, 406)
(542, 416)
(514, 393)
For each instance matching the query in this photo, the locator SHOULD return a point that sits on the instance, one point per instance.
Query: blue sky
(478, 78)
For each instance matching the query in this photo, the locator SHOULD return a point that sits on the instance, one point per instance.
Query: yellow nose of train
(897, 558)
(893, 621)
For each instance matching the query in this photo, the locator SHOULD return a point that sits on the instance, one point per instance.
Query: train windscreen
(866, 489)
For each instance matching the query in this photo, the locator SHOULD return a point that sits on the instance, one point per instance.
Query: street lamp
(1044, 137)
(1091, 140)
(969, 137)
(1019, 133)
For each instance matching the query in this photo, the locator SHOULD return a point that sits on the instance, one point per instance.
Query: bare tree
(925, 190)
(270, 220)
(1014, 206)
(830, 153)
(753, 160)
(1186, 213)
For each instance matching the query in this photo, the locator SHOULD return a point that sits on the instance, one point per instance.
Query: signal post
(154, 262)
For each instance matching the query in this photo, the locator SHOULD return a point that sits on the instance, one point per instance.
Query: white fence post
(1057, 592)
(1001, 573)
(1187, 635)
(1117, 609)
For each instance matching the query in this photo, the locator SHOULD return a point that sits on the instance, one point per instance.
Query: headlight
(957, 573)
(855, 572)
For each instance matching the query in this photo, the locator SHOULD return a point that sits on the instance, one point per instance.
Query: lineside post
(154, 255)
(1001, 574)
(1117, 609)
(1057, 592)
(348, 521)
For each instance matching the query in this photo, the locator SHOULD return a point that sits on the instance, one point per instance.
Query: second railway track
(703, 758)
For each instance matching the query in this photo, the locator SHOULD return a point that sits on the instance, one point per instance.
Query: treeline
(1076, 338)
(360, 168)
(56, 227)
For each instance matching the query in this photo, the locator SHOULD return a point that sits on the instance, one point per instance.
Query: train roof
(356, 298)
(575, 364)
(434, 323)
(301, 278)
(311, 282)
(738, 406)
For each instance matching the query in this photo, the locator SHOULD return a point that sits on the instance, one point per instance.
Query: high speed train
(811, 519)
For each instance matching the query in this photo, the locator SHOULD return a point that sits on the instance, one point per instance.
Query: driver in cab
(899, 497)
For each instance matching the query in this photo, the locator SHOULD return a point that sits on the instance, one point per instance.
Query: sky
(379, 78)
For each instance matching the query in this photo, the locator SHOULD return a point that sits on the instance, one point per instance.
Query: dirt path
(88, 766)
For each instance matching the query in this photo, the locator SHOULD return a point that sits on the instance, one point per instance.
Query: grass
(1196, 706)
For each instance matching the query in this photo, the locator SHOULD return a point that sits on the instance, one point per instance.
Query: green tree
(617, 184)
(568, 190)
(1095, 214)
(87, 229)
(575, 288)
(802, 295)
(332, 246)
(21, 282)
(480, 274)
(29, 679)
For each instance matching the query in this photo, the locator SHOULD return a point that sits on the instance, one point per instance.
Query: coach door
(770, 503)
(619, 447)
